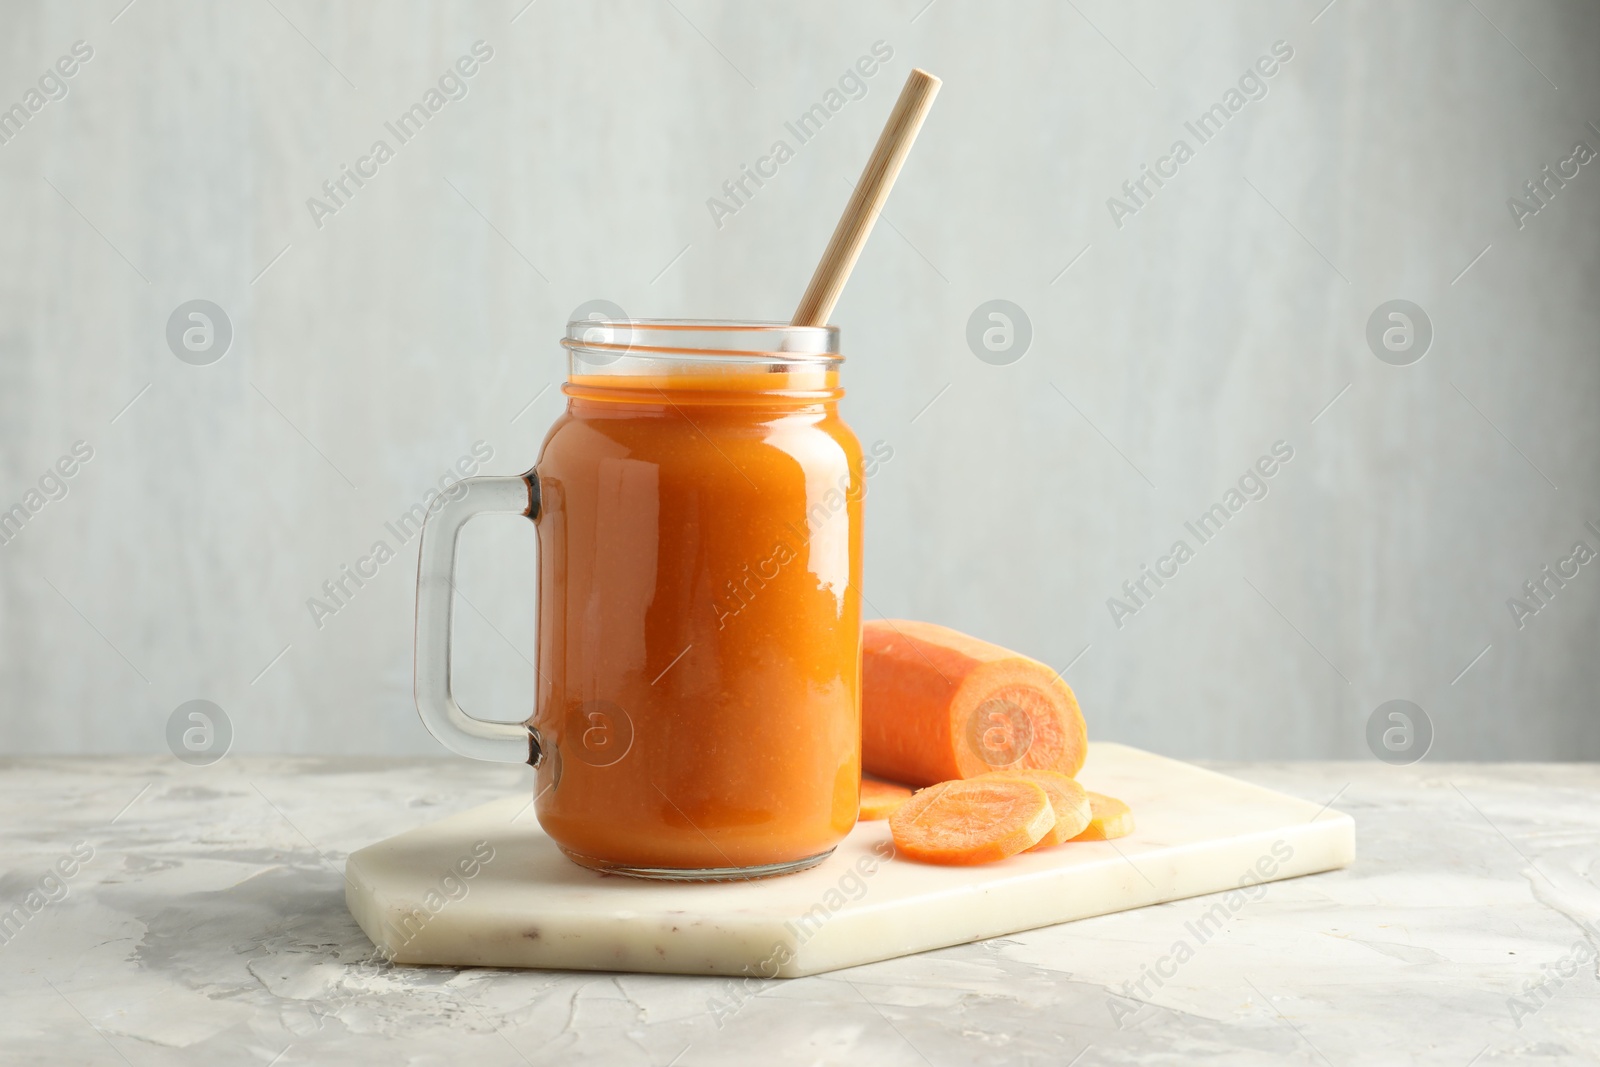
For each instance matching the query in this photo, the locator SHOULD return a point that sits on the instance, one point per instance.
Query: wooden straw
(850, 236)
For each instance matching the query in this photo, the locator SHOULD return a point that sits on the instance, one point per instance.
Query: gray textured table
(196, 915)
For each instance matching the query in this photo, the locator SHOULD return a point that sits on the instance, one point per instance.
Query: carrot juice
(699, 648)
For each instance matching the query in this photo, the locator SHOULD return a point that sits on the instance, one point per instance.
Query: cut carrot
(972, 821)
(1111, 818)
(937, 705)
(880, 799)
(1068, 800)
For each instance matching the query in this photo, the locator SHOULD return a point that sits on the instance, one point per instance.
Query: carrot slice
(971, 821)
(1068, 799)
(937, 704)
(1111, 818)
(880, 799)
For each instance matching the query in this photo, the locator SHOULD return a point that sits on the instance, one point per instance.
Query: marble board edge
(1328, 844)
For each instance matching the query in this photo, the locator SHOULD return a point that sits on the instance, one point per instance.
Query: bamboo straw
(850, 236)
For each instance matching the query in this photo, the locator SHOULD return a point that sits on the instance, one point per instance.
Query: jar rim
(604, 341)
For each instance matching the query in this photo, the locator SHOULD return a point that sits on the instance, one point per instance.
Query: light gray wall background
(1229, 313)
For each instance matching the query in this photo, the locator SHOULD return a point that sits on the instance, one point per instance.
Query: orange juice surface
(700, 624)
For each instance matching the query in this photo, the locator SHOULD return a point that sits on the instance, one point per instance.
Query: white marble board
(528, 906)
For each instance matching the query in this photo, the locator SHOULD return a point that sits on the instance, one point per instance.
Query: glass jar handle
(502, 742)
